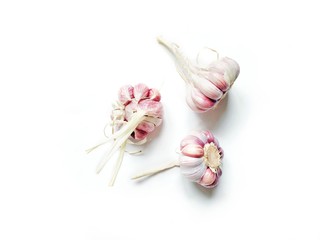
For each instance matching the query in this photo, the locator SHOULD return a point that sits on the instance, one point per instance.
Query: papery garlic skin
(206, 86)
(201, 158)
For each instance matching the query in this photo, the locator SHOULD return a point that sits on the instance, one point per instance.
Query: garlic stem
(118, 164)
(182, 63)
(157, 170)
(121, 136)
(172, 47)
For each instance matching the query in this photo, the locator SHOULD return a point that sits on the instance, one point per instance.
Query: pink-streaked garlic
(135, 115)
(200, 159)
(206, 86)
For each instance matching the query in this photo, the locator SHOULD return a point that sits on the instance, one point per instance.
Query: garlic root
(121, 136)
(157, 170)
(118, 164)
(89, 150)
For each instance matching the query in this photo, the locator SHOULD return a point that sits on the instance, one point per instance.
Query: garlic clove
(191, 103)
(153, 108)
(218, 80)
(210, 137)
(215, 183)
(139, 134)
(191, 139)
(200, 100)
(154, 94)
(130, 109)
(140, 91)
(208, 89)
(125, 94)
(156, 121)
(201, 135)
(185, 161)
(229, 67)
(192, 168)
(146, 126)
(192, 150)
(208, 178)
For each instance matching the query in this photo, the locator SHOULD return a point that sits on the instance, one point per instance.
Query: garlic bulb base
(212, 156)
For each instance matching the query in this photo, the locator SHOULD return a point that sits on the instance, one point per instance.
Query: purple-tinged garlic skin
(200, 159)
(138, 98)
(206, 86)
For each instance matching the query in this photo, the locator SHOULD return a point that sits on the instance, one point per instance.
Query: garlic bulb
(137, 113)
(200, 159)
(134, 100)
(206, 86)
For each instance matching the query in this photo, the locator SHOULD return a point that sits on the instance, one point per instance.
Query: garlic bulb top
(200, 158)
(134, 99)
(206, 86)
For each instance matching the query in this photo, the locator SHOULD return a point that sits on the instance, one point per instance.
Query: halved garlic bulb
(206, 86)
(200, 159)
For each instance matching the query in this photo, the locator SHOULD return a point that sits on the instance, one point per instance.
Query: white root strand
(121, 136)
(184, 68)
(157, 170)
(96, 146)
(118, 164)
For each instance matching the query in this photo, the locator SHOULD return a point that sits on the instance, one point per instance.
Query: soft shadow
(196, 191)
(211, 119)
(206, 192)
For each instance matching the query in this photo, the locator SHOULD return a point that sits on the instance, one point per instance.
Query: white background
(61, 64)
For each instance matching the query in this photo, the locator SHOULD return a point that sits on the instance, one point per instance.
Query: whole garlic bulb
(134, 99)
(137, 113)
(200, 158)
(206, 86)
